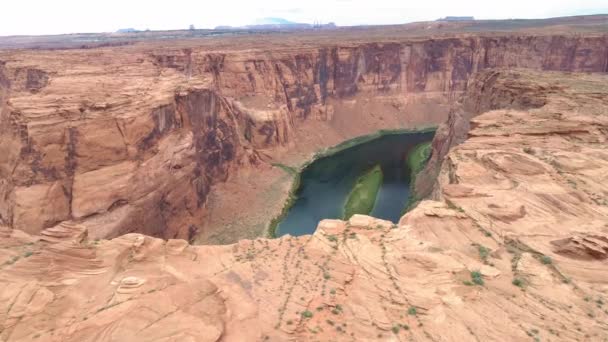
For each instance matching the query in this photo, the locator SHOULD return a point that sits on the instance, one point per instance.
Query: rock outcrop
(488, 90)
(518, 232)
(141, 138)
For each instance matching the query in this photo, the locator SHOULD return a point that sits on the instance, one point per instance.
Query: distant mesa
(456, 19)
(273, 21)
(127, 30)
(263, 24)
(276, 24)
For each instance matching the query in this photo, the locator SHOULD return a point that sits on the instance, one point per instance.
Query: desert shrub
(477, 278)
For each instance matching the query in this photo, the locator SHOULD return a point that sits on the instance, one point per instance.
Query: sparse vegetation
(290, 170)
(12, 260)
(477, 278)
(362, 197)
(519, 282)
(337, 310)
(483, 253)
(367, 138)
(412, 311)
(546, 260)
(415, 162)
(274, 223)
(307, 314)
(417, 158)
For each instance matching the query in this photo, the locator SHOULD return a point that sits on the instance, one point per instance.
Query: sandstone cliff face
(133, 138)
(522, 202)
(150, 174)
(488, 90)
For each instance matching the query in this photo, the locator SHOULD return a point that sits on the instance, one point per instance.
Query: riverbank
(415, 162)
(362, 197)
(325, 153)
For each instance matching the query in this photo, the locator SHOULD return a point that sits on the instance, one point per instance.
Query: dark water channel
(326, 182)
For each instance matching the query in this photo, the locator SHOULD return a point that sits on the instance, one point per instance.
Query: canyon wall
(133, 138)
(488, 90)
(519, 232)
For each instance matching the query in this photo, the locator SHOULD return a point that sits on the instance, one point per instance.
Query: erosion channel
(369, 175)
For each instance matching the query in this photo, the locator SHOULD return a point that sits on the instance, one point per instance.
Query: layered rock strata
(141, 138)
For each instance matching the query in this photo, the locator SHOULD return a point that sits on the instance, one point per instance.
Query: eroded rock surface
(141, 138)
(512, 248)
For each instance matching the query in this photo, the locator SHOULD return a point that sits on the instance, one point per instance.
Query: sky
(78, 16)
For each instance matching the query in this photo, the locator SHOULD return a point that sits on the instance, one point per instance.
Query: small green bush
(546, 260)
(412, 311)
(519, 282)
(307, 314)
(477, 278)
(483, 252)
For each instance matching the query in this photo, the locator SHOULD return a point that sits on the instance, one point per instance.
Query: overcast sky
(71, 16)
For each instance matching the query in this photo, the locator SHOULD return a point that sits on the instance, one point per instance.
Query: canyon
(138, 182)
(518, 231)
(142, 138)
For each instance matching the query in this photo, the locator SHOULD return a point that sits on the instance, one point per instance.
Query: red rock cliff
(519, 233)
(133, 138)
